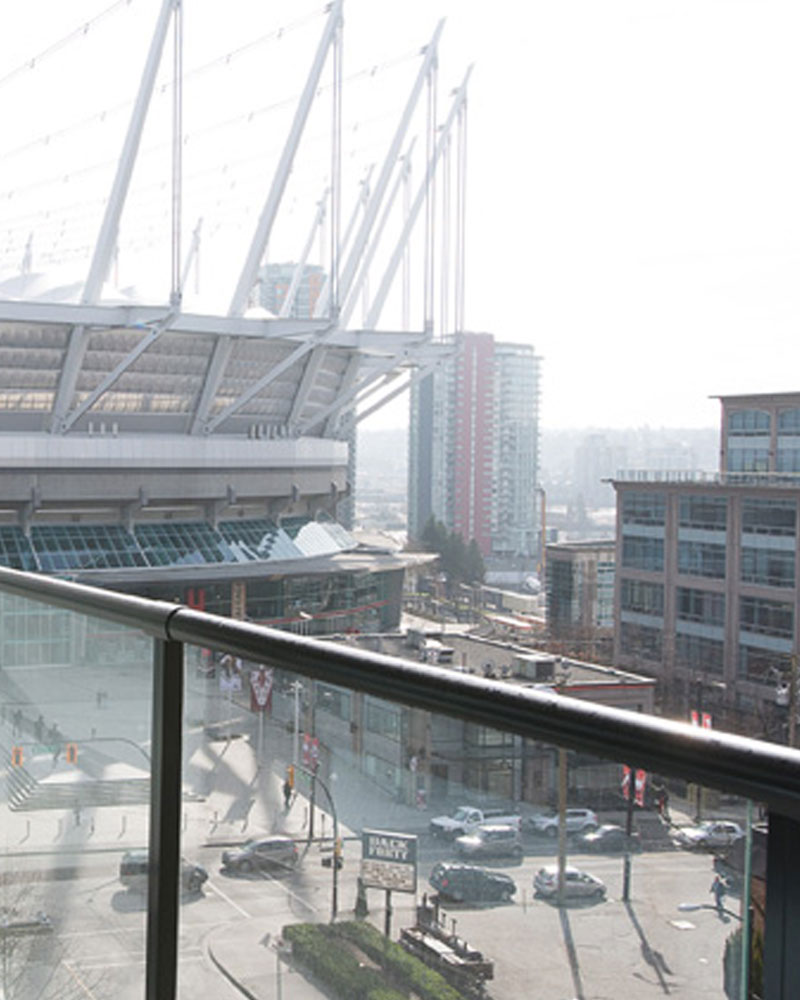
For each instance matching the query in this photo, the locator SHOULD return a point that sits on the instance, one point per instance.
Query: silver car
(491, 841)
(710, 834)
(577, 884)
(576, 820)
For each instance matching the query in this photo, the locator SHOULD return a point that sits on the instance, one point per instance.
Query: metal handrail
(765, 772)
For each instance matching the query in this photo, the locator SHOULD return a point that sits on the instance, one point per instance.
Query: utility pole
(626, 870)
(562, 803)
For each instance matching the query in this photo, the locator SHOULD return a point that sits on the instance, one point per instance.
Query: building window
(746, 423)
(643, 553)
(382, 717)
(709, 513)
(700, 606)
(334, 700)
(788, 459)
(764, 617)
(769, 517)
(701, 559)
(700, 653)
(762, 665)
(768, 567)
(642, 597)
(483, 736)
(606, 571)
(789, 422)
(643, 508)
(748, 459)
(640, 640)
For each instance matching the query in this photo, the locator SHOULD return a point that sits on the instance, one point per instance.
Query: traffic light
(71, 753)
(290, 776)
(17, 756)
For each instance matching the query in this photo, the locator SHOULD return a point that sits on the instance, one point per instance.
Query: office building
(473, 455)
(707, 571)
(580, 595)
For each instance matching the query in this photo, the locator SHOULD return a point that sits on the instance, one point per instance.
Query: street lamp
(335, 859)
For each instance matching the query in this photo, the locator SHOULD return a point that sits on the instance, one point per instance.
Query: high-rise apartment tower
(474, 446)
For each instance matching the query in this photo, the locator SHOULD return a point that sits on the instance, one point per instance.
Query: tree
(34, 964)
(461, 563)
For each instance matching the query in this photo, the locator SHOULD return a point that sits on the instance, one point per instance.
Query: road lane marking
(227, 899)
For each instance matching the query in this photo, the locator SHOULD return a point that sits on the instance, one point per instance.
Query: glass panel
(15, 549)
(749, 422)
(643, 508)
(259, 538)
(180, 543)
(84, 546)
(478, 810)
(75, 718)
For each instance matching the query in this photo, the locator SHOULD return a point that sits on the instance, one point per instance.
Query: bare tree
(34, 962)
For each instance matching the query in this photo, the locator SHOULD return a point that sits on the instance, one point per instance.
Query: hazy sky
(633, 172)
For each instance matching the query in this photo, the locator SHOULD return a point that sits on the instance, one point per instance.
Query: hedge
(316, 948)
(424, 981)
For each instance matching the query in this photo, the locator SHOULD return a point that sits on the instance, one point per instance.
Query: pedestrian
(54, 736)
(38, 729)
(287, 793)
(718, 889)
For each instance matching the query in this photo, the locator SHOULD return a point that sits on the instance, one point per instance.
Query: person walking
(718, 889)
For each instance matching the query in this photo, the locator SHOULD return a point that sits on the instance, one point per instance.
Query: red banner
(261, 690)
(640, 780)
(310, 751)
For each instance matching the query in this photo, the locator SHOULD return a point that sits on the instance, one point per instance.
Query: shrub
(316, 947)
(424, 981)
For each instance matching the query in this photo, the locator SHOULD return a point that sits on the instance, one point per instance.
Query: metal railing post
(782, 924)
(163, 896)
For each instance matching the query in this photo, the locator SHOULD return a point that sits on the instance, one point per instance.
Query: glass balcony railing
(195, 806)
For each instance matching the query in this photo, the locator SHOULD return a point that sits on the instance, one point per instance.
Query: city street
(68, 864)
(588, 950)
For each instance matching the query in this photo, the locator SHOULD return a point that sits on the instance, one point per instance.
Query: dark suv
(134, 870)
(469, 883)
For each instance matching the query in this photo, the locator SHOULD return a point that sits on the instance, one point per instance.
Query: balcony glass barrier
(325, 823)
(283, 775)
(75, 717)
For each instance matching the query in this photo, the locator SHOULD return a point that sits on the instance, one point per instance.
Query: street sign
(389, 860)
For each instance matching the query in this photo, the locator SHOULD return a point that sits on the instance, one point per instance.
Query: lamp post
(297, 689)
(315, 779)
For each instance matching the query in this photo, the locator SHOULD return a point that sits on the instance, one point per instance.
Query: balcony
(145, 742)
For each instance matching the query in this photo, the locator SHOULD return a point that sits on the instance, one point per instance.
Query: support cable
(406, 277)
(430, 200)
(336, 171)
(176, 288)
(461, 220)
(444, 264)
(75, 35)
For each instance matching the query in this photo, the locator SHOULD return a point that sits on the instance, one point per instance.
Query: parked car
(491, 841)
(134, 872)
(708, 835)
(469, 883)
(608, 838)
(268, 853)
(578, 821)
(466, 819)
(577, 884)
